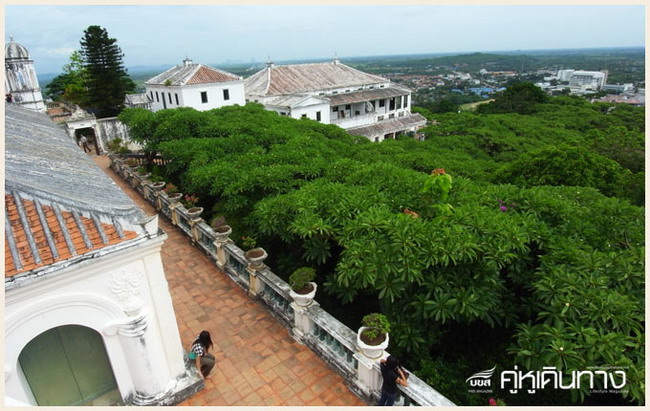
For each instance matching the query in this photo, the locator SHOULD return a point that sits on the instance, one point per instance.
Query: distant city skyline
(220, 34)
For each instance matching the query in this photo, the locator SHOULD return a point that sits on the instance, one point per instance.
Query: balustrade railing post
(194, 223)
(222, 257)
(368, 375)
(173, 211)
(302, 323)
(255, 285)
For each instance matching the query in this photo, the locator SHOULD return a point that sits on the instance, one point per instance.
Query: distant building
(594, 80)
(194, 85)
(21, 83)
(140, 100)
(634, 100)
(88, 314)
(333, 93)
(481, 91)
(621, 88)
(564, 75)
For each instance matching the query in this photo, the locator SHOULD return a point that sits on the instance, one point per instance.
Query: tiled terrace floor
(258, 361)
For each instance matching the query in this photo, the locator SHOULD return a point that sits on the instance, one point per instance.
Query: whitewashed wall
(190, 96)
(102, 294)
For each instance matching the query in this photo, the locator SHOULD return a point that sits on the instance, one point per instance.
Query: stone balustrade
(332, 340)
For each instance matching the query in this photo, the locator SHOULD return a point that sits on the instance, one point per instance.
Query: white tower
(20, 77)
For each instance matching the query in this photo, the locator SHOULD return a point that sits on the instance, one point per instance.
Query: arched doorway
(68, 365)
(89, 132)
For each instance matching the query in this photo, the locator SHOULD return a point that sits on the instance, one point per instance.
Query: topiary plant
(376, 326)
(299, 280)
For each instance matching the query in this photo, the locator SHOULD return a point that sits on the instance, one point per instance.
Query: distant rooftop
(191, 73)
(300, 78)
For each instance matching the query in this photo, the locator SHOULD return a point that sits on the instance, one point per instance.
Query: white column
(144, 355)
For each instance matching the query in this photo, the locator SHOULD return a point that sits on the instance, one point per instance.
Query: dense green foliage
(69, 85)
(521, 98)
(470, 271)
(105, 77)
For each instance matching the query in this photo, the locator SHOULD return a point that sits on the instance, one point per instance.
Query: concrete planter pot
(255, 257)
(158, 186)
(222, 232)
(194, 212)
(304, 300)
(174, 198)
(371, 351)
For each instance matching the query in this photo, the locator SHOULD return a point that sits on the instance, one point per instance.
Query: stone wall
(111, 128)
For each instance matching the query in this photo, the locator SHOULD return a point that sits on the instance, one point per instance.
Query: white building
(194, 85)
(564, 75)
(594, 80)
(333, 93)
(622, 88)
(21, 83)
(88, 314)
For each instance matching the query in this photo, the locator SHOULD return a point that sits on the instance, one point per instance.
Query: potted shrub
(255, 255)
(172, 192)
(132, 162)
(142, 172)
(303, 289)
(189, 201)
(372, 337)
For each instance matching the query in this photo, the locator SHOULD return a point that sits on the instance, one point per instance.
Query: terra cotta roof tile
(50, 252)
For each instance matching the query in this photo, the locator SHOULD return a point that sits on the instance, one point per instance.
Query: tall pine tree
(106, 79)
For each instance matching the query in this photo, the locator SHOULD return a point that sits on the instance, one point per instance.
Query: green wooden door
(67, 365)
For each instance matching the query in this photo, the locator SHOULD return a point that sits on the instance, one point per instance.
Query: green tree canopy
(517, 98)
(459, 261)
(564, 165)
(69, 85)
(106, 79)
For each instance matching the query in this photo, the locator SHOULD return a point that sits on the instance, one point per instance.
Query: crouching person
(199, 353)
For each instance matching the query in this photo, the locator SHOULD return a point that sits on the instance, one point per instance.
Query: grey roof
(389, 126)
(368, 95)
(42, 161)
(14, 50)
(302, 78)
(139, 98)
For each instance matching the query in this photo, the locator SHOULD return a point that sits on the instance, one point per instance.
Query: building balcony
(355, 121)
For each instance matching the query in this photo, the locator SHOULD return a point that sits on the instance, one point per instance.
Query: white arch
(88, 310)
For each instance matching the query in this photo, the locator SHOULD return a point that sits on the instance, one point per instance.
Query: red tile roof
(191, 74)
(40, 239)
(209, 75)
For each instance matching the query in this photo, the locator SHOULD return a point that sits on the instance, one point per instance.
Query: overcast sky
(216, 34)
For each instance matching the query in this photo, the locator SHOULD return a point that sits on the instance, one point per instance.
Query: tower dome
(21, 83)
(14, 50)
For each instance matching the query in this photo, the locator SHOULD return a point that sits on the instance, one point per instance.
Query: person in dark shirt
(393, 375)
(199, 353)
